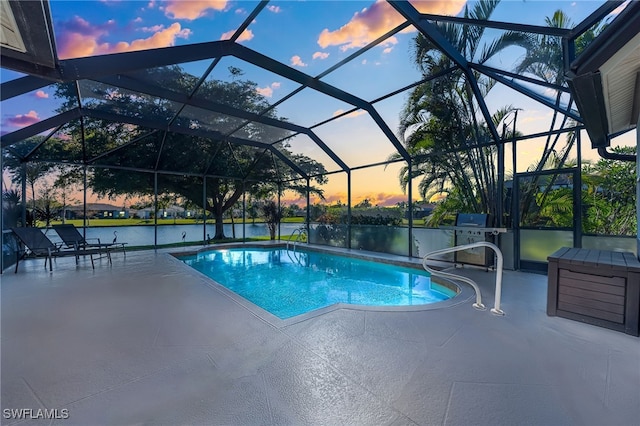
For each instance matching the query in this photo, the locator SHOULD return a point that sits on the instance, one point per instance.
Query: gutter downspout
(602, 151)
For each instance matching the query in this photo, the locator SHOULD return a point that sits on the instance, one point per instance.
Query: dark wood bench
(598, 287)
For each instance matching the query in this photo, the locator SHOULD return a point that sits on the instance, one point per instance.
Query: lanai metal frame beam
(118, 63)
(533, 95)
(129, 83)
(265, 62)
(150, 171)
(78, 113)
(431, 32)
(210, 134)
(124, 145)
(487, 69)
(39, 127)
(106, 65)
(22, 85)
(569, 51)
(499, 25)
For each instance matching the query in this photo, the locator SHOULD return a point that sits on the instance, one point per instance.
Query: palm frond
(508, 39)
(482, 11)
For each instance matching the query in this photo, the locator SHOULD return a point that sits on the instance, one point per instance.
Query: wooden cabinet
(598, 287)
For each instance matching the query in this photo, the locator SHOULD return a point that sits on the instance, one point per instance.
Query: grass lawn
(142, 222)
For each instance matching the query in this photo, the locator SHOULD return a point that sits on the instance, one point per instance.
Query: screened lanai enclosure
(370, 125)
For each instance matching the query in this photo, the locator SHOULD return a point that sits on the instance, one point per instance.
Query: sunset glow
(310, 37)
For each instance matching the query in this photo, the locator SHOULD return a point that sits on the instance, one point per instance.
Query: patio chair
(37, 244)
(72, 237)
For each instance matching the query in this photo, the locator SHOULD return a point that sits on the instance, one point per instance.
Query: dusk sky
(310, 36)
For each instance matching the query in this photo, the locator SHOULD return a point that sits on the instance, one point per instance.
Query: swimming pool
(288, 283)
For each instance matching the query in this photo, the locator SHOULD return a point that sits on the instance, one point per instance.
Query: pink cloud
(22, 120)
(296, 61)
(328, 199)
(245, 36)
(192, 9)
(274, 9)
(320, 55)
(164, 38)
(41, 94)
(152, 29)
(268, 91)
(350, 115)
(384, 199)
(137, 20)
(372, 22)
(80, 39)
(81, 26)
(381, 199)
(335, 197)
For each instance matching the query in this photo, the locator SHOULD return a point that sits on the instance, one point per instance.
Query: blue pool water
(288, 283)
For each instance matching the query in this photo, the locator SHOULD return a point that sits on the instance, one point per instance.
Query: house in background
(171, 212)
(98, 211)
(422, 210)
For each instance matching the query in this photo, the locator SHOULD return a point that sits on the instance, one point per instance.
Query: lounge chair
(37, 244)
(73, 238)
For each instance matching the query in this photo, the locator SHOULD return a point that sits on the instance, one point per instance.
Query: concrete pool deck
(151, 341)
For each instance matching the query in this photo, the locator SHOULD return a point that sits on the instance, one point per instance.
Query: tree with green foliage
(445, 211)
(47, 207)
(366, 203)
(253, 209)
(17, 160)
(609, 196)
(272, 214)
(538, 190)
(608, 200)
(232, 169)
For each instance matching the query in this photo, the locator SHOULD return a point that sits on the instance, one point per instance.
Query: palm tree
(544, 60)
(30, 171)
(11, 199)
(439, 124)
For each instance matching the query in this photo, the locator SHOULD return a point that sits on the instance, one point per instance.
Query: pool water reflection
(287, 283)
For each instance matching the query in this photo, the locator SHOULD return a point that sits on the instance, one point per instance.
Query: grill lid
(472, 219)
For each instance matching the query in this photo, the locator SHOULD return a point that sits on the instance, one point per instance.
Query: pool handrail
(302, 231)
(499, 266)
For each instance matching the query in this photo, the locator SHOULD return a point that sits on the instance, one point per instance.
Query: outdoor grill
(472, 228)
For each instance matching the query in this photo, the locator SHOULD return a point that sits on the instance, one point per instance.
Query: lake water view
(143, 235)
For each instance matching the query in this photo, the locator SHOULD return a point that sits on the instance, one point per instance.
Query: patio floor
(150, 341)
